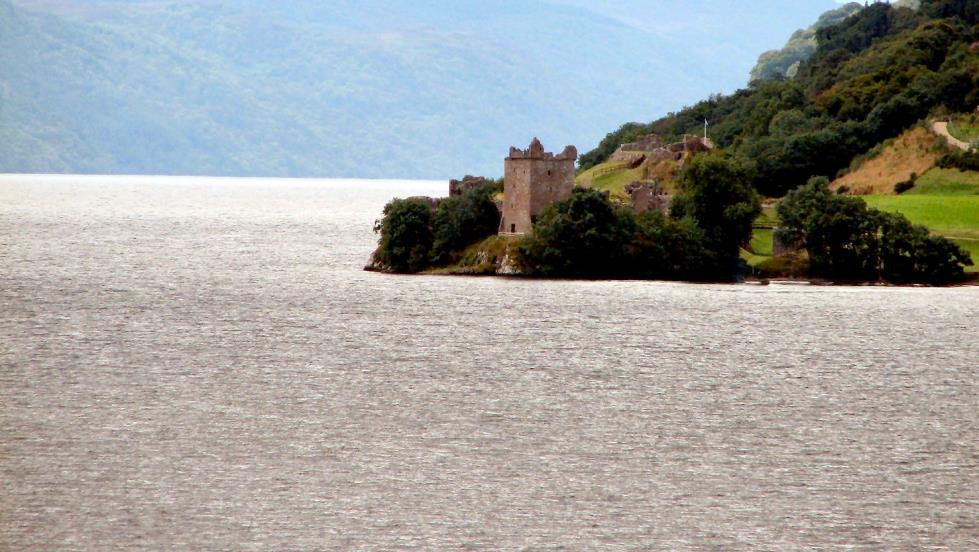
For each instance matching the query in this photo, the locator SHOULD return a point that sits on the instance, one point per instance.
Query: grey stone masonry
(534, 179)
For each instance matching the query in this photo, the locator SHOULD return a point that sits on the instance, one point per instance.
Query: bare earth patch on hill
(915, 151)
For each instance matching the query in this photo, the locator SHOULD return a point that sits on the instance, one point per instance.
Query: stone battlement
(536, 151)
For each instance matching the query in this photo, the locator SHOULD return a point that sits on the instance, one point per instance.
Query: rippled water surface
(201, 364)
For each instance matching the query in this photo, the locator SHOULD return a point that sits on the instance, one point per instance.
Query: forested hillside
(872, 76)
(800, 47)
(365, 88)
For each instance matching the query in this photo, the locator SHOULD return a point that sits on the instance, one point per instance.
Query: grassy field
(954, 216)
(614, 176)
(944, 200)
(946, 182)
(767, 218)
(761, 242)
(610, 177)
(965, 128)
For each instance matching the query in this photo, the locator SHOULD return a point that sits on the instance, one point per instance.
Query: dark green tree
(462, 221)
(842, 240)
(716, 193)
(797, 208)
(406, 236)
(666, 249)
(965, 9)
(582, 237)
(908, 254)
(838, 232)
(847, 241)
(961, 160)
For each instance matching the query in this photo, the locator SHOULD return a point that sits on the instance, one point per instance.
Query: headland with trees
(875, 76)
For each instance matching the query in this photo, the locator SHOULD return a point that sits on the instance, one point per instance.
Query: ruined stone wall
(467, 184)
(533, 180)
(656, 150)
(647, 196)
(626, 156)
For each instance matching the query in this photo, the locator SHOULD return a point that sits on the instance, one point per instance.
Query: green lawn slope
(965, 128)
(948, 204)
(611, 176)
(953, 216)
(614, 176)
(946, 182)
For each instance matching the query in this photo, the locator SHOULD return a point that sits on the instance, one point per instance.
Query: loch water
(202, 364)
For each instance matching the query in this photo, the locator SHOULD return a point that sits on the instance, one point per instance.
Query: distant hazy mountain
(359, 88)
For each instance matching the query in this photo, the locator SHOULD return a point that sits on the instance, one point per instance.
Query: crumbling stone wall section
(534, 179)
(655, 149)
(647, 196)
(696, 144)
(624, 156)
(467, 184)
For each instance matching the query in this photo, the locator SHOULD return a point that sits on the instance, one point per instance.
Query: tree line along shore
(826, 174)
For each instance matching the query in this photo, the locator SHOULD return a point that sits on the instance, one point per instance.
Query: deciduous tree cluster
(846, 240)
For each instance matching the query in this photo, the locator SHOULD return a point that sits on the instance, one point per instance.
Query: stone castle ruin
(647, 196)
(534, 179)
(467, 184)
(655, 155)
(652, 148)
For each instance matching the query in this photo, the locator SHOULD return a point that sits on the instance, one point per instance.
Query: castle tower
(534, 179)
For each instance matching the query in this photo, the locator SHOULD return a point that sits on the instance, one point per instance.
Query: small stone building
(467, 184)
(534, 179)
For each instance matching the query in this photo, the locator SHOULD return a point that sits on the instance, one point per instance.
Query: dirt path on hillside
(941, 128)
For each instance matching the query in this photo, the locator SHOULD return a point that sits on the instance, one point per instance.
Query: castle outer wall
(533, 180)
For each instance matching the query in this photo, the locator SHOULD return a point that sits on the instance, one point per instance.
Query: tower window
(513, 228)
